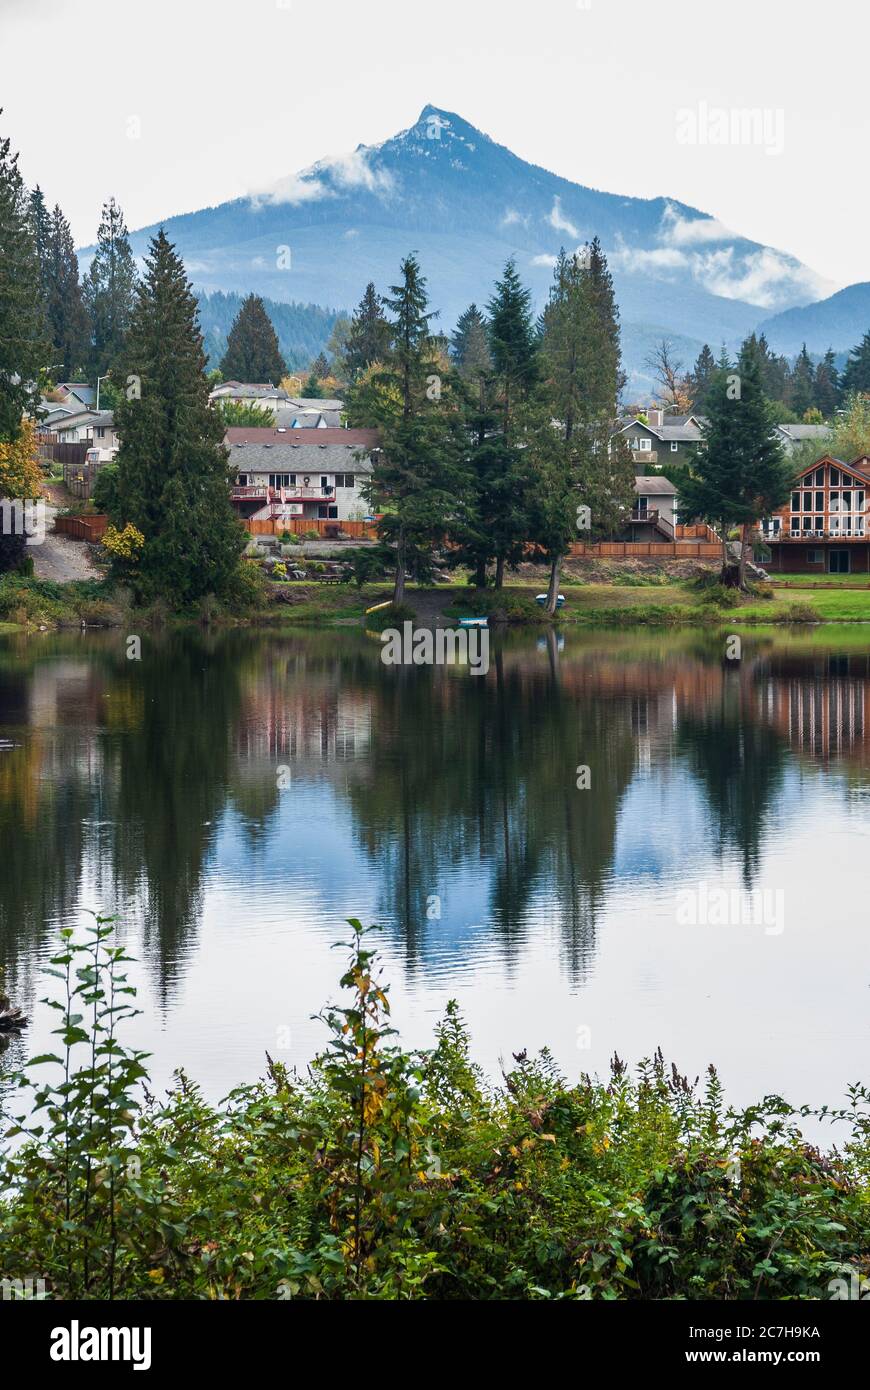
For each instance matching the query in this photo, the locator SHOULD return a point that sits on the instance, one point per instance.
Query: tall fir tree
(741, 474)
(700, 377)
(253, 354)
(512, 339)
(420, 477)
(802, 387)
(23, 343)
(66, 315)
(469, 345)
(827, 391)
(40, 223)
(856, 373)
(368, 340)
(109, 289)
(606, 354)
(581, 367)
(173, 473)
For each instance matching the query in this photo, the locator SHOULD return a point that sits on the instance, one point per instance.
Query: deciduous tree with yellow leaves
(20, 480)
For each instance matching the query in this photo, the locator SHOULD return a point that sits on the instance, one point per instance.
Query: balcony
(249, 494)
(807, 536)
(651, 516)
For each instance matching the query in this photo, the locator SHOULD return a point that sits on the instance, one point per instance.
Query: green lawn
(811, 581)
(831, 605)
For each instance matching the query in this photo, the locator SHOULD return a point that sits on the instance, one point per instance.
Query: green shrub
(393, 616)
(384, 1173)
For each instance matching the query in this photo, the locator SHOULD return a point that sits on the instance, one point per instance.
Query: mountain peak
(437, 124)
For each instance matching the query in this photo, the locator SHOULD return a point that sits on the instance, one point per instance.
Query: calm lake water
(446, 808)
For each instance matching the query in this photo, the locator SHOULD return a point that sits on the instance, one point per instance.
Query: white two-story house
(300, 474)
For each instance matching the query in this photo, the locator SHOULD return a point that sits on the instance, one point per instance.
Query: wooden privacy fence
(81, 528)
(698, 531)
(297, 526)
(673, 550)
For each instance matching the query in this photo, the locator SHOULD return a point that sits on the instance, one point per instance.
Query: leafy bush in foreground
(391, 1174)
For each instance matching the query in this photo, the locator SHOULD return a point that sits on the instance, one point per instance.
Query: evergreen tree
(320, 367)
(109, 289)
(741, 474)
(40, 223)
(420, 475)
(469, 345)
(580, 365)
(253, 354)
(606, 355)
(512, 339)
(67, 318)
(802, 391)
(699, 379)
(411, 354)
(826, 386)
(856, 373)
(23, 345)
(173, 473)
(369, 338)
(337, 348)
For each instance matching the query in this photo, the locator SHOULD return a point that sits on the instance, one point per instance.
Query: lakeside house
(663, 439)
(823, 528)
(654, 515)
(290, 412)
(266, 396)
(287, 477)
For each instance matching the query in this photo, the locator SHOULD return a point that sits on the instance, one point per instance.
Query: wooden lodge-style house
(823, 528)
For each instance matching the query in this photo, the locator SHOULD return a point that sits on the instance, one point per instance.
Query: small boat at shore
(542, 599)
(473, 622)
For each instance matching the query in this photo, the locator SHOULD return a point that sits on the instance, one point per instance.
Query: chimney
(656, 416)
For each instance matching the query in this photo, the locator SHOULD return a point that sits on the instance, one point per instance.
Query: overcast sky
(232, 96)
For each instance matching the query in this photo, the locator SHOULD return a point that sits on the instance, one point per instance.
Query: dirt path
(59, 558)
(429, 605)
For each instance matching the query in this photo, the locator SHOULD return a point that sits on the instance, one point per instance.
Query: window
(835, 477)
(645, 446)
(807, 523)
(795, 501)
(834, 505)
(815, 557)
(795, 526)
(344, 480)
(820, 501)
(820, 477)
(324, 481)
(674, 446)
(808, 502)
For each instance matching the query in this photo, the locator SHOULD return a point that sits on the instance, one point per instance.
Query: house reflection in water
(822, 712)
